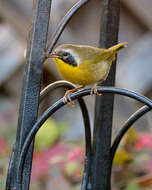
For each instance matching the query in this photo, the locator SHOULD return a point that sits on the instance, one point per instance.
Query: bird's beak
(53, 55)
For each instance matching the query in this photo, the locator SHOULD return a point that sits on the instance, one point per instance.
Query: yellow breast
(85, 73)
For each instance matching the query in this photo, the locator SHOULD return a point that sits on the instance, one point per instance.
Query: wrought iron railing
(99, 153)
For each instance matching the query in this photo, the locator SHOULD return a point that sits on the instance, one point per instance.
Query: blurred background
(134, 68)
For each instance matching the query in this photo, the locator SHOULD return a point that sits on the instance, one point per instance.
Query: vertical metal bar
(104, 104)
(31, 86)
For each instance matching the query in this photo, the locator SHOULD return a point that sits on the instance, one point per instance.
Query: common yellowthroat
(84, 65)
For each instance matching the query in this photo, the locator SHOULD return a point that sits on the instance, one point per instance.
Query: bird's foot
(67, 99)
(94, 90)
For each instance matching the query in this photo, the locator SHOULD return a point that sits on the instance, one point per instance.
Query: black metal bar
(88, 145)
(31, 87)
(61, 103)
(63, 24)
(104, 104)
(134, 117)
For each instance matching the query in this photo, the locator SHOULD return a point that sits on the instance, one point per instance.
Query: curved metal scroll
(85, 114)
(60, 104)
(134, 117)
(63, 24)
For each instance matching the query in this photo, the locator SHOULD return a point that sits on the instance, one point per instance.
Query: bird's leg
(66, 98)
(94, 90)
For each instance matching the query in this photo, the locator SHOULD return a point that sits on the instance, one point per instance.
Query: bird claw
(94, 90)
(67, 100)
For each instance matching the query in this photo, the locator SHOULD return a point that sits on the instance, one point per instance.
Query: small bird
(84, 65)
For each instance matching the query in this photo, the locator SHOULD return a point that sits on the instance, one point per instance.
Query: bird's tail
(118, 47)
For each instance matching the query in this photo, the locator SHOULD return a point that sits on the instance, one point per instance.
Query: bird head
(66, 53)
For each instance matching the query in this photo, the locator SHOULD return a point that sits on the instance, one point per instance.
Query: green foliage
(121, 157)
(72, 168)
(2, 182)
(132, 186)
(48, 134)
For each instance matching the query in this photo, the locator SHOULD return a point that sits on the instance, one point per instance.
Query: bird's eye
(68, 58)
(65, 54)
